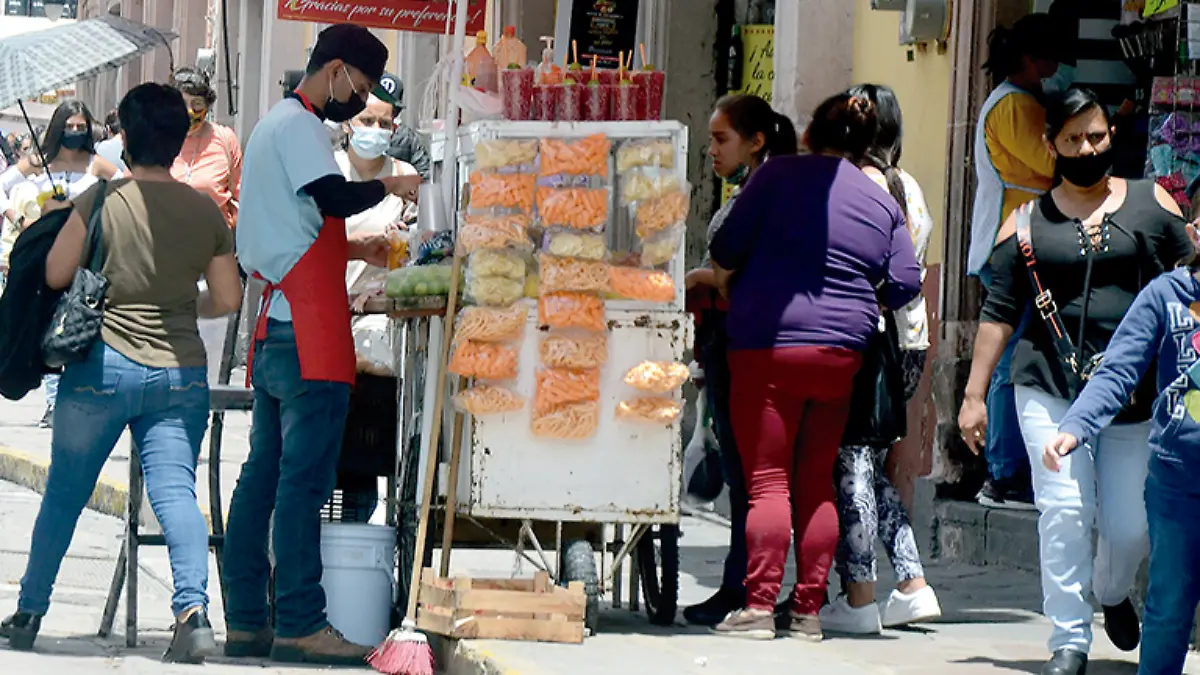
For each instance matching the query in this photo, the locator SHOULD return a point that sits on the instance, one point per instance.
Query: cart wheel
(579, 564)
(658, 550)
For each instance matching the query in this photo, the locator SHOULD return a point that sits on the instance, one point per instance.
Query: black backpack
(27, 307)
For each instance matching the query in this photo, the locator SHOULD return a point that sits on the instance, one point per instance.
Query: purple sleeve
(733, 242)
(902, 274)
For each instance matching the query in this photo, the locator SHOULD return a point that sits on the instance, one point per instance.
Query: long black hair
(52, 144)
(1034, 35)
(884, 151)
(751, 115)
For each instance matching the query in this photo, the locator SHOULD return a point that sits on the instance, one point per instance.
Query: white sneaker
(902, 609)
(840, 617)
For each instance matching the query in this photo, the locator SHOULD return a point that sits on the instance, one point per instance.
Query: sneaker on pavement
(243, 644)
(902, 609)
(325, 647)
(1003, 494)
(21, 629)
(713, 610)
(193, 641)
(839, 617)
(1122, 625)
(801, 626)
(1066, 662)
(749, 624)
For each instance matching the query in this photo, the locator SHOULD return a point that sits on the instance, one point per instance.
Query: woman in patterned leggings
(868, 504)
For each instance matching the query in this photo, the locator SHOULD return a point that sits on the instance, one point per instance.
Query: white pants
(1102, 483)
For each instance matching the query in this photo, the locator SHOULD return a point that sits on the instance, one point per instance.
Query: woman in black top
(1097, 241)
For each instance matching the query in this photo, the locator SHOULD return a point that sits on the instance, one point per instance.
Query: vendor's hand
(373, 248)
(972, 423)
(404, 187)
(699, 277)
(1055, 450)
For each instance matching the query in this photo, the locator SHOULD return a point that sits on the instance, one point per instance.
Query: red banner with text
(422, 16)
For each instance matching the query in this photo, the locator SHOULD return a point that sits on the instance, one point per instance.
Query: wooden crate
(530, 610)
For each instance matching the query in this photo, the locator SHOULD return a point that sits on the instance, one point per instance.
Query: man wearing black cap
(406, 145)
(292, 234)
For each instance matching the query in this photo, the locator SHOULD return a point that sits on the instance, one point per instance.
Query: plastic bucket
(359, 561)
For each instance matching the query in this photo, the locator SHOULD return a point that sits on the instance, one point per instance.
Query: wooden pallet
(529, 610)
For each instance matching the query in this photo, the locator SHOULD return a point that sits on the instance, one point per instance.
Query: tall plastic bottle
(547, 71)
(510, 50)
(481, 66)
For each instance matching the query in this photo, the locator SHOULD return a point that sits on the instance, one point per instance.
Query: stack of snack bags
(653, 381)
(573, 209)
(658, 202)
(493, 236)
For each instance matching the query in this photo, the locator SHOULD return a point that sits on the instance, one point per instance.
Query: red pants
(789, 409)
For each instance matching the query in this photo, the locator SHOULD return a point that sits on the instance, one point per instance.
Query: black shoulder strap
(92, 256)
(1043, 301)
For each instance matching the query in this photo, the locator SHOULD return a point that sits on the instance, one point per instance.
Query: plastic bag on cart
(642, 185)
(504, 153)
(586, 350)
(661, 248)
(650, 409)
(496, 263)
(571, 244)
(484, 232)
(571, 310)
(661, 213)
(657, 377)
(487, 399)
(651, 152)
(575, 157)
(502, 191)
(635, 283)
(573, 208)
(491, 324)
(559, 386)
(484, 361)
(493, 291)
(572, 421)
(572, 275)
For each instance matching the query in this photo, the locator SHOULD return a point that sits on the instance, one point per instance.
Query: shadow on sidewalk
(1094, 667)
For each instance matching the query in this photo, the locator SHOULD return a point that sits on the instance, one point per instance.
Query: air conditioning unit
(889, 5)
(924, 21)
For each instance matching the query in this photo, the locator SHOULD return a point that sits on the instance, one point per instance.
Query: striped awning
(45, 60)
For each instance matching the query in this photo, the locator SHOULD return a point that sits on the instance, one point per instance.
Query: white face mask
(370, 142)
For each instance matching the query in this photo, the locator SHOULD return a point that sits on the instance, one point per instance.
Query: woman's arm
(104, 169)
(1173, 243)
(224, 293)
(701, 276)
(902, 282)
(64, 255)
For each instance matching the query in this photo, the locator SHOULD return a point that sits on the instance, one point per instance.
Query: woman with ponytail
(744, 132)
(868, 505)
(806, 256)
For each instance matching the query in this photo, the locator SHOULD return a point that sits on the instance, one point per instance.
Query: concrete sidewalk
(991, 624)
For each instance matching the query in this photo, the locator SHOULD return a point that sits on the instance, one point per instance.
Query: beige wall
(923, 87)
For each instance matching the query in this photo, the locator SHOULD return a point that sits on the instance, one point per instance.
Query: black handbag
(79, 314)
(878, 408)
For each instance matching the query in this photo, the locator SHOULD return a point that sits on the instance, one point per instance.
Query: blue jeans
(166, 410)
(716, 376)
(1174, 589)
(51, 384)
(1005, 451)
(295, 440)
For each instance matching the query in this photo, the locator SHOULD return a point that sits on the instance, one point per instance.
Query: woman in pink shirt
(211, 158)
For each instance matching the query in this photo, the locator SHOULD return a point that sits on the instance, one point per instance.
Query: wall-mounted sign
(604, 28)
(421, 16)
(757, 71)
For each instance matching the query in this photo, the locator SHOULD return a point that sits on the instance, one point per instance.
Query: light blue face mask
(1061, 80)
(370, 142)
(739, 176)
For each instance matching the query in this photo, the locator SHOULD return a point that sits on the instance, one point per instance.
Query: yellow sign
(758, 70)
(1154, 7)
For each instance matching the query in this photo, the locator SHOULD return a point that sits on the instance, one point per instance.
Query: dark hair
(884, 152)
(750, 115)
(844, 125)
(112, 122)
(156, 123)
(58, 124)
(194, 83)
(1034, 35)
(1062, 106)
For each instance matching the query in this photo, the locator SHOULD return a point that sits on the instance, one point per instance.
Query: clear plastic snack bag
(478, 232)
(574, 351)
(575, 208)
(486, 399)
(556, 386)
(657, 215)
(493, 291)
(571, 310)
(574, 244)
(484, 360)
(648, 184)
(657, 377)
(572, 274)
(649, 409)
(655, 152)
(506, 153)
(491, 324)
(502, 191)
(661, 248)
(635, 283)
(572, 421)
(496, 263)
(575, 157)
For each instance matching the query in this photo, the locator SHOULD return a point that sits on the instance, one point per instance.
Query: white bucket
(359, 561)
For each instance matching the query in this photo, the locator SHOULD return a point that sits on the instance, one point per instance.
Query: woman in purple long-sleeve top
(810, 251)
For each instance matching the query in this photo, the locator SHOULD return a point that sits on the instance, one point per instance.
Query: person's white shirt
(913, 321)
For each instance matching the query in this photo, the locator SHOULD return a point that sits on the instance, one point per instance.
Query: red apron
(316, 290)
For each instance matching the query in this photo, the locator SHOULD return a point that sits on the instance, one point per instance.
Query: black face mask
(74, 140)
(1086, 170)
(343, 111)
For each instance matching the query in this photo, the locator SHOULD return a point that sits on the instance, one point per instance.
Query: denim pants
(1099, 484)
(51, 383)
(1005, 449)
(166, 410)
(716, 388)
(1174, 591)
(295, 441)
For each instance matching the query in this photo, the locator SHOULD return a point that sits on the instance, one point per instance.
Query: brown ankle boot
(325, 647)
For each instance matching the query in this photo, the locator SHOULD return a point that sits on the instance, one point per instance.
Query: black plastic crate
(369, 442)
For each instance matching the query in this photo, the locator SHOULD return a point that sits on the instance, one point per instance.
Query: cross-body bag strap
(92, 255)
(1043, 301)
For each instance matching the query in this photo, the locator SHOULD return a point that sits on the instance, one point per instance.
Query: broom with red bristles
(405, 651)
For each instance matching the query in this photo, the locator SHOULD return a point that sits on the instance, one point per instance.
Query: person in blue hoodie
(1164, 324)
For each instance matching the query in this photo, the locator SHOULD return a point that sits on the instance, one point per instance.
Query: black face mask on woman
(74, 140)
(1085, 170)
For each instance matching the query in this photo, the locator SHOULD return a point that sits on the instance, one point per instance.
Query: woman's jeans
(1172, 502)
(1101, 483)
(295, 442)
(716, 388)
(789, 408)
(166, 410)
